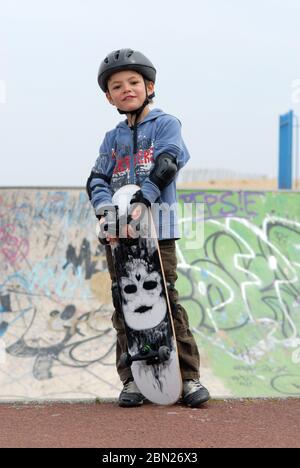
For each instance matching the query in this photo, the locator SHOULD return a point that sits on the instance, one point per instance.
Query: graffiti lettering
(219, 205)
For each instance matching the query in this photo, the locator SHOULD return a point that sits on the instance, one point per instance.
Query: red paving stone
(230, 423)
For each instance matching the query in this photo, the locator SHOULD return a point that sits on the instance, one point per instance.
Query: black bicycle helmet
(125, 59)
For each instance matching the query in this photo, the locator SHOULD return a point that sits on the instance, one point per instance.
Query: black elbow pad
(164, 171)
(87, 187)
(95, 175)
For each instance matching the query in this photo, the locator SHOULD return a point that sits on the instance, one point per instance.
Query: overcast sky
(226, 69)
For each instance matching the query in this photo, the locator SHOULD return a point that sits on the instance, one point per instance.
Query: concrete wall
(241, 289)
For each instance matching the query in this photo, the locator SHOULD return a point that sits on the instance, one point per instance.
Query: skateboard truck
(146, 354)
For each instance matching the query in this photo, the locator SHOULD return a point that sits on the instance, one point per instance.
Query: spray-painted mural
(241, 289)
(54, 298)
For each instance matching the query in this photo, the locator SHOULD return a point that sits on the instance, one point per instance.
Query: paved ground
(250, 423)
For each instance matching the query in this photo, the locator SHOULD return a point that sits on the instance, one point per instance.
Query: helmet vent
(129, 53)
(117, 54)
(106, 60)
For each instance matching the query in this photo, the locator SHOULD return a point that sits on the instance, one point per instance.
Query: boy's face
(126, 90)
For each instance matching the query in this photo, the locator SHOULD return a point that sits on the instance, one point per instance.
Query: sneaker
(130, 395)
(194, 394)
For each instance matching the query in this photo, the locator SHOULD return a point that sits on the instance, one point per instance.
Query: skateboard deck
(152, 349)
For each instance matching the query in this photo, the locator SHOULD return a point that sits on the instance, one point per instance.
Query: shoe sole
(127, 404)
(193, 402)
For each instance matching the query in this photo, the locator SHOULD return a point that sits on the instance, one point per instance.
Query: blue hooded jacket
(117, 166)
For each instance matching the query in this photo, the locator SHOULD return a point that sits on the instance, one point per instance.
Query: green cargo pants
(189, 358)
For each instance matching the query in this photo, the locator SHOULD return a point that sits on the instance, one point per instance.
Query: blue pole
(285, 178)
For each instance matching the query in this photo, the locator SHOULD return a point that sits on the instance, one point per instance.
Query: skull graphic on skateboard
(144, 302)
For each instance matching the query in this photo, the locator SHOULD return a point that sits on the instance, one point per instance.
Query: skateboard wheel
(164, 353)
(125, 360)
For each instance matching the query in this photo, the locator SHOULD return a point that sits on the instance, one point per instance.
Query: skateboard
(144, 302)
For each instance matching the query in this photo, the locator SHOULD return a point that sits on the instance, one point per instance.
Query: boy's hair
(151, 101)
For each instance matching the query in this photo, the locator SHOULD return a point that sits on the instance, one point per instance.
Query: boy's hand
(140, 204)
(131, 225)
(108, 224)
(106, 237)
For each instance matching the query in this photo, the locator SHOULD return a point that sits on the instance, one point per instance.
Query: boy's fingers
(136, 213)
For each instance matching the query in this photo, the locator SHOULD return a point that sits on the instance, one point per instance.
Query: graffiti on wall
(241, 290)
(55, 321)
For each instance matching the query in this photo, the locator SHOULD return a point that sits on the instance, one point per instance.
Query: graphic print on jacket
(127, 164)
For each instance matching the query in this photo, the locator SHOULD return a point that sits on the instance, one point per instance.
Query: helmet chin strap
(137, 113)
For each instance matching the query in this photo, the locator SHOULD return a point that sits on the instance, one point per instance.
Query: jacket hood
(153, 114)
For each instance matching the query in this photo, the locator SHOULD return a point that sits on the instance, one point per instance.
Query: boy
(147, 150)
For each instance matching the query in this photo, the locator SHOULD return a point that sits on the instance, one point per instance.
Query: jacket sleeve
(168, 139)
(98, 184)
